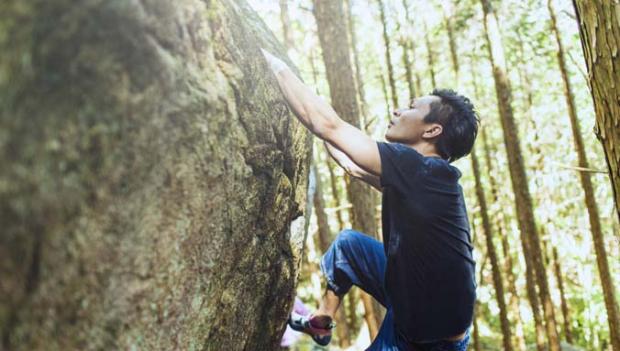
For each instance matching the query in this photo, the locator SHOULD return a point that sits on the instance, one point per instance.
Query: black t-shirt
(430, 274)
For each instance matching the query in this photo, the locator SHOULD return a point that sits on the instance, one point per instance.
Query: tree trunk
(533, 147)
(418, 84)
(286, 25)
(154, 179)
(430, 55)
(453, 49)
(598, 71)
(336, 195)
(476, 336)
(491, 253)
(333, 37)
(386, 97)
(388, 54)
(565, 312)
(359, 82)
(405, 46)
(523, 200)
(510, 277)
(599, 26)
(408, 50)
(325, 239)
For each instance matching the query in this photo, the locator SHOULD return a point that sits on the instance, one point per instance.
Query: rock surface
(153, 181)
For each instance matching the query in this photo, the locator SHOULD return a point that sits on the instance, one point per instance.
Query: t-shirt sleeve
(399, 165)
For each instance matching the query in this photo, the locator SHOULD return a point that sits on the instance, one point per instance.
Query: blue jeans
(358, 259)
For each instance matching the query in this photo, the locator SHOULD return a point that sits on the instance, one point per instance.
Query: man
(423, 273)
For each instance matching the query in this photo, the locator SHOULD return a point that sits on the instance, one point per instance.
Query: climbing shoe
(318, 327)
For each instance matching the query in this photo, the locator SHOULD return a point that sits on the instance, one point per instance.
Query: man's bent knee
(346, 236)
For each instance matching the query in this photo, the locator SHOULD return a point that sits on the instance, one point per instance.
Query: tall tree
(388, 53)
(125, 222)
(599, 26)
(509, 266)
(508, 263)
(286, 25)
(534, 148)
(525, 213)
(359, 82)
(499, 222)
(486, 222)
(407, 48)
(492, 254)
(476, 334)
(447, 12)
(564, 304)
(430, 55)
(332, 31)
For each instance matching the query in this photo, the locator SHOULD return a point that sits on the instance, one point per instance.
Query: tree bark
(598, 86)
(153, 177)
(599, 27)
(525, 214)
(492, 254)
(333, 37)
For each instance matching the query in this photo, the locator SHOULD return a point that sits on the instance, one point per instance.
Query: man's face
(407, 125)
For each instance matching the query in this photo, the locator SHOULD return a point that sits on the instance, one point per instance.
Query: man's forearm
(340, 157)
(351, 167)
(311, 110)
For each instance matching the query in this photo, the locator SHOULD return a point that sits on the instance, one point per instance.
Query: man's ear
(432, 130)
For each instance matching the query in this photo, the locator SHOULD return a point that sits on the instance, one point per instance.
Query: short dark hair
(459, 120)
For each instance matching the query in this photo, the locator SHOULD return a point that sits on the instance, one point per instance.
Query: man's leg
(352, 259)
(329, 305)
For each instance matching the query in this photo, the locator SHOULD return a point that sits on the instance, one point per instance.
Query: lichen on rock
(151, 172)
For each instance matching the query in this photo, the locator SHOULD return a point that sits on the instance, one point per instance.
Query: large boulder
(153, 180)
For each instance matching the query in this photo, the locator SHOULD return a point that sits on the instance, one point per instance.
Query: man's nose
(397, 112)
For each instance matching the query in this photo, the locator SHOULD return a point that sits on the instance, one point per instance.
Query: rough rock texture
(150, 175)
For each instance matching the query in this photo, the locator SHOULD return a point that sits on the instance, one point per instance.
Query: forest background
(405, 48)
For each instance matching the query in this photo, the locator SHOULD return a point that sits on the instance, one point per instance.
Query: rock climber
(423, 272)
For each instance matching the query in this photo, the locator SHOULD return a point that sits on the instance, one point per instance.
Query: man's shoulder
(442, 169)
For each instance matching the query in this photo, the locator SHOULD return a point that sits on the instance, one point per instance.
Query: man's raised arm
(321, 119)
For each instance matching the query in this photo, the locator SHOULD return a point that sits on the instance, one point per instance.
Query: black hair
(459, 120)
